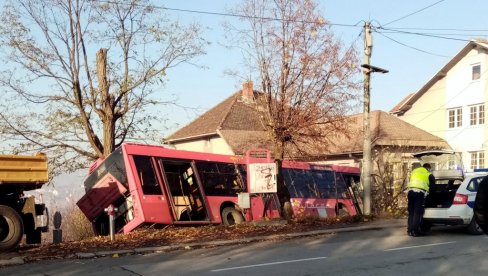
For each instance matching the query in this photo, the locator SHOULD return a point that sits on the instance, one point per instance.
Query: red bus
(157, 185)
(321, 190)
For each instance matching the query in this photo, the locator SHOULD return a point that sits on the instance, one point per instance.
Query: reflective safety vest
(419, 179)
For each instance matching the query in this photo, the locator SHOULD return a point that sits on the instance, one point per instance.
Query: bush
(75, 225)
(390, 171)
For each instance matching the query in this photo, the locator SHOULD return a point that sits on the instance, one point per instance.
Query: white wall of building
(428, 112)
(462, 91)
(210, 145)
(456, 90)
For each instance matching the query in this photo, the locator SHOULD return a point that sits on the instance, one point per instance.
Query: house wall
(462, 91)
(428, 112)
(455, 90)
(210, 145)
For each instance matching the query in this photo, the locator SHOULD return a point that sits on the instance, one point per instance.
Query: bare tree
(81, 74)
(307, 76)
(390, 173)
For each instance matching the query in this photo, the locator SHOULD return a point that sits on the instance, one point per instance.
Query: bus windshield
(113, 164)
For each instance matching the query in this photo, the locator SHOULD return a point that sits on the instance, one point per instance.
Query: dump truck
(19, 213)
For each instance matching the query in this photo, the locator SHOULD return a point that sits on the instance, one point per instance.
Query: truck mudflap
(42, 214)
(36, 220)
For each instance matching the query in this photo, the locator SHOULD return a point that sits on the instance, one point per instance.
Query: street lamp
(374, 69)
(366, 170)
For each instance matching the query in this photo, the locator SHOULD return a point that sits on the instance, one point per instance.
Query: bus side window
(301, 181)
(147, 177)
(219, 179)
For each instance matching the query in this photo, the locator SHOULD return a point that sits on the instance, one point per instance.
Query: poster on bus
(262, 177)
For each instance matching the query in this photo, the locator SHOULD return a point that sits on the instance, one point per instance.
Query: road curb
(17, 260)
(12, 261)
(157, 249)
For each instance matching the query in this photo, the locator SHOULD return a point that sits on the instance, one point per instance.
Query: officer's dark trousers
(416, 207)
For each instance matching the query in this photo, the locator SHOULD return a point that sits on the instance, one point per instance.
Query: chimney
(247, 91)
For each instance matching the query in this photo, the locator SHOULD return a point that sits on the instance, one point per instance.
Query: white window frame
(477, 159)
(477, 114)
(475, 72)
(455, 117)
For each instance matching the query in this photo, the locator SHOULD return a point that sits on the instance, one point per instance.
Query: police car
(451, 199)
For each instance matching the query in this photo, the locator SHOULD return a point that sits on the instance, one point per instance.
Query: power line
(415, 12)
(252, 17)
(423, 34)
(395, 30)
(411, 47)
(441, 29)
(234, 15)
(443, 34)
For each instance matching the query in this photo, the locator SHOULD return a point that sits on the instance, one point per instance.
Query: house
(451, 105)
(231, 127)
(388, 135)
(234, 126)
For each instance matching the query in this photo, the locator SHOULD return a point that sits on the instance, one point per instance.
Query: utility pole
(366, 171)
(367, 160)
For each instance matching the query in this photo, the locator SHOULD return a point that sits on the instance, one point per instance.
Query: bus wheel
(11, 228)
(231, 216)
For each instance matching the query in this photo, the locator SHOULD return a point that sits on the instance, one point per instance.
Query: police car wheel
(473, 228)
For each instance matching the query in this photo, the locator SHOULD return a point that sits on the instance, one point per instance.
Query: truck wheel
(11, 228)
(231, 216)
(473, 228)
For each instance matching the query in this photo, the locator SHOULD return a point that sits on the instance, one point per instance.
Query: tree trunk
(283, 193)
(108, 119)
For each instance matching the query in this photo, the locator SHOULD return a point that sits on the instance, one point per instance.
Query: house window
(476, 71)
(477, 114)
(455, 117)
(477, 159)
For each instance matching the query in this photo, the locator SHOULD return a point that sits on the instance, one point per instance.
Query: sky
(412, 60)
(442, 27)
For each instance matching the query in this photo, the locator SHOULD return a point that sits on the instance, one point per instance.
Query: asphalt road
(389, 251)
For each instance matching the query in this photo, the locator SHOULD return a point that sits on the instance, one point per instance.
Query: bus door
(185, 193)
(154, 203)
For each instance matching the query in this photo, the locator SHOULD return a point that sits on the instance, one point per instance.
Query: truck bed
(24, 170)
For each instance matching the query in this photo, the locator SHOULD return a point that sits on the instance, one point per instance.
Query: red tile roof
(230, 114)
(238, 123)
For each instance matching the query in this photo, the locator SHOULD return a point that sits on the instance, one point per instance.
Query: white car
(451, 201)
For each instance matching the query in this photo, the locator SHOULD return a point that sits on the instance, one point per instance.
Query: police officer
(481, 205)
(418, 188)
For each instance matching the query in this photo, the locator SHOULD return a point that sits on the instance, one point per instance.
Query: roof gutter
(194, 137)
